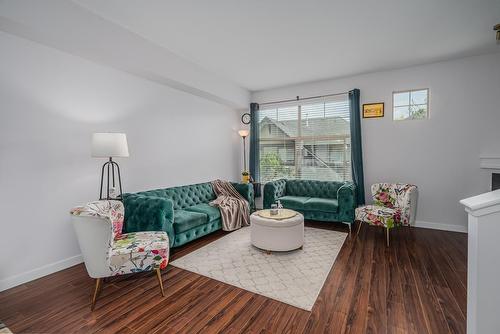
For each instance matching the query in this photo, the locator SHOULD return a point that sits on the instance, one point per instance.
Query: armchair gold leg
(96, 292)
(359, 227)
(387, 232)
(158, 274)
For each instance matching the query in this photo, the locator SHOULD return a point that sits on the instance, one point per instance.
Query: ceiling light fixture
(497, 29)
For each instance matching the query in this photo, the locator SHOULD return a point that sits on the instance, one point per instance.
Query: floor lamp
(110, 145)
(246, 176)
(244, 134)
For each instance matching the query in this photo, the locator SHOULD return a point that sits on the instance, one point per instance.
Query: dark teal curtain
(356, 150)
(254, 141)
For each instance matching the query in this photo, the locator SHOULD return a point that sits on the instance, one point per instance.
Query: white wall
(440, 154)
(50, 104)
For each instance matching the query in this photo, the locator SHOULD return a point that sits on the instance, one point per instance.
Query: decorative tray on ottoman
(282, 214)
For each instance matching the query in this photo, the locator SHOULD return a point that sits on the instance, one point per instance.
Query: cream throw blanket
(234, 209)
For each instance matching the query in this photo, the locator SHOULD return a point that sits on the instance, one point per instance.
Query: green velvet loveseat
(183, 212)
(316, 200)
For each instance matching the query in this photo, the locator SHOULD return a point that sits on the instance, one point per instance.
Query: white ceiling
(68, 27)
(265, 44)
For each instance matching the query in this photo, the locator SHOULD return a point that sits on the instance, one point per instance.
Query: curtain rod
(304, 98)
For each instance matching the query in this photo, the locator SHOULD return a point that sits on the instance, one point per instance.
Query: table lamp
(110, 145)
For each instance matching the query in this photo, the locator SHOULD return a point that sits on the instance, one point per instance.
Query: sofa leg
(387, 233)
(349, 225)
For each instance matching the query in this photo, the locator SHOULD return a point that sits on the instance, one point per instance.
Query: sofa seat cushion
(294, 202)
(212, 212)
(322, 204)
(186, 220)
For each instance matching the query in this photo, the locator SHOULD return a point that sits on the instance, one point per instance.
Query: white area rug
(295, 277)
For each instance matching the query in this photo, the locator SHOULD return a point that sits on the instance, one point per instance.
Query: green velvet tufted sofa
(316, 200)
(183, 212)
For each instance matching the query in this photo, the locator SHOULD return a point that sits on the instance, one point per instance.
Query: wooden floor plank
(181, 299)
(376, 320)
(396, 318)
(418, 285)
(191, 315)
(357, 313)
(128, 313)
(214, 319)
(246, 315)
(435, 319)
(451, 310)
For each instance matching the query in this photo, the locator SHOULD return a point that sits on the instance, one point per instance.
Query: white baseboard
(33, 274)
(440, 226)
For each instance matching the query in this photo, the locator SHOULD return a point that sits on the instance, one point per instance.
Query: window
(307, 139)
(410, 104)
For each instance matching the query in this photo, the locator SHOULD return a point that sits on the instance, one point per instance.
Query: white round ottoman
(277, 235)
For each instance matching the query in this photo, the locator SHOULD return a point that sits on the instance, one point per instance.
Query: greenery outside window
(410, 104)
(308, 139)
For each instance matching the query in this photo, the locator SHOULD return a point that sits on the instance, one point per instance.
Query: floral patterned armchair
(395, 204)
(107, 252)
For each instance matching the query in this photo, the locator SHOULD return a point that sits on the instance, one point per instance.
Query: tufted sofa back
(309, 188)
(185, 196)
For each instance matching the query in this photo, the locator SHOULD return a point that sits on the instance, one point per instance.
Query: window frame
(409, 91)
(304, 138)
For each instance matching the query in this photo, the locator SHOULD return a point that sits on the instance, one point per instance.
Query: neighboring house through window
(308, 139)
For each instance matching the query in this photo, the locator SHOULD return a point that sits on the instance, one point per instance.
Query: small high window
(410, 104)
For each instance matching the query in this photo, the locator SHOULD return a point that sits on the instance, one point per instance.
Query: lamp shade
(243, 133)
(106, 145)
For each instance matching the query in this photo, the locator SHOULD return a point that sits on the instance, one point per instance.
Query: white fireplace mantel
(489, 161)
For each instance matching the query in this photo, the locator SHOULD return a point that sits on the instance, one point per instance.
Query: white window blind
(307, 139)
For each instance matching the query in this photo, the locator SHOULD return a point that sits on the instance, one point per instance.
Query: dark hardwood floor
(418, 285)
